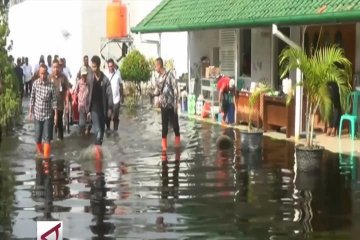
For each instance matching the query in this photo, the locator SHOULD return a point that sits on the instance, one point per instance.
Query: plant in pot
(252, 138)
(324, 65)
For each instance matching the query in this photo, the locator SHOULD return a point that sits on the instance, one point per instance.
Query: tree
(324, 65)
(9, 92)
(135, 68)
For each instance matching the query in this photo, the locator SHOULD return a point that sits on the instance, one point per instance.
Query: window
(307, 44)
(338, 38)
(315, 42)
(245, 52)
(227, 51)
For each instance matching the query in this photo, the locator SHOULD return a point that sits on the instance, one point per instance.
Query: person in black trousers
(62, 86)
(167, 90)
(333, 89)
(100, 100)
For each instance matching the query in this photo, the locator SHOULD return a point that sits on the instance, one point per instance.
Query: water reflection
(51, 177)
(348, 162)
(100, 207)
(197, 192)
(169, 191)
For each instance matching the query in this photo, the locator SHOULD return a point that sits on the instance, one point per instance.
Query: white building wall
(36, 28)
(93, 26)
(202, 44)
(260, 54)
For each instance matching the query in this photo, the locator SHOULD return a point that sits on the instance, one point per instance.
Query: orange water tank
(116, 20)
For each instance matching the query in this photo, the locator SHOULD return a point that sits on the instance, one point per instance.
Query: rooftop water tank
(116, 20)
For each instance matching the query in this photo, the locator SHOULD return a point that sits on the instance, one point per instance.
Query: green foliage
(318, 69)
(131, 99)
(9, 95)
(135, 68)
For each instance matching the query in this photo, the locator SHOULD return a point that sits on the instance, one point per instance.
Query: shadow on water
(209, 193)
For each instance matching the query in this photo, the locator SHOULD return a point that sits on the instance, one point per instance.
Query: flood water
(206, 195)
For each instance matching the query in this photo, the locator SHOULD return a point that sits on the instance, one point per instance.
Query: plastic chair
(353, 98)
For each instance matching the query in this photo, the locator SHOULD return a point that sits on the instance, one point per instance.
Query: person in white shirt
(49, 64)
(36, 67)
(117, 91)
(27, 69)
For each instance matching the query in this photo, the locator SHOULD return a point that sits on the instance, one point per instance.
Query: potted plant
(252, 138)
(324, 65)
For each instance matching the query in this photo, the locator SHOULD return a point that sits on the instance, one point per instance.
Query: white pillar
(357, 48)
(298, 106)
(272, 61)
(236, 49)
(159, 46)
(189, 59)
(298, 96)
(296, 36)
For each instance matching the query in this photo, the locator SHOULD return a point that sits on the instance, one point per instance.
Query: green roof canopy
(184, 15)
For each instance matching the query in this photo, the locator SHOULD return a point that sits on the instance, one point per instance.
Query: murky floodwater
(131, 195)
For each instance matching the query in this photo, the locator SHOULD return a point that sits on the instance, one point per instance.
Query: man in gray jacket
(100, 100)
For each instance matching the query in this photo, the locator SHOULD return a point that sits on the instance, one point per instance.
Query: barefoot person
(42, 103)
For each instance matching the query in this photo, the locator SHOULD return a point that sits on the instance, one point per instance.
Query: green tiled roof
(183, 15)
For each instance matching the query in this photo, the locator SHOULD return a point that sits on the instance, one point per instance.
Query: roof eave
(344, 16)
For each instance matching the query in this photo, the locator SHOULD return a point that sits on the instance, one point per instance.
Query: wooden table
(277, 114)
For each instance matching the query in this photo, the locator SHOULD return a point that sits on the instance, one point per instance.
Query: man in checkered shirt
(42, 102)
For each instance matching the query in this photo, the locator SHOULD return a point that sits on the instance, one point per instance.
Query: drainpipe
(298, 102)
(156, 42)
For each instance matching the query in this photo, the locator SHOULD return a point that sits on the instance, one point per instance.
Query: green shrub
(135, 68)
(9, 96)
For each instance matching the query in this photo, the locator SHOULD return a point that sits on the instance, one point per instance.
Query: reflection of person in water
(333, 89)
(224, 145)
(47, 173)
(166, 204)
(44, 188)
(99, 206)
(60, 179)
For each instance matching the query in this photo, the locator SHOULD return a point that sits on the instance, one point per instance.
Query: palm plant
(255, 98)
(324, 65)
